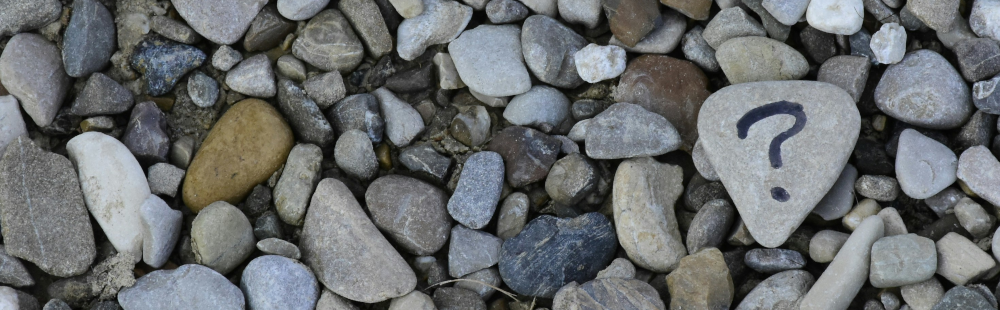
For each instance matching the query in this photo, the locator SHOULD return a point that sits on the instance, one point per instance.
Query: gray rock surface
(276, 282)
(12, 125)
(848, 271)
(664, 38)
(980, 172)
(644, 218)
(412, 212)
(329, 43)
(982, 19)
(490, 61)
(275, 246)
(786, 12)
(488, 277)
(878, 187)
(774, 260)
(571, 179)
(840, 198)
(506, 11)
(300, 9)
(541, 107)
(12, 271)
(221, 237)
(923, 295)
(222, 22)
(471, 250)
(89, 39)
(253, 77)
(924, 166)
(402, 122)
(32, 71)
(173, 29)
(25, 15)
(187, 287)
(902, 260)
(710, 225)
(974, 218)
(366, 19)
(355, 155)
(161, 227)
(626, 130)
(451, 298)
(204, 91)
(548, 48)
(620, 268)
(475, 198)
(609, 293)
(582, 12)
(298, 179)
(325, 89)
(415, 300)
(783, 290)
(961, 261)
(441, 22)
(846, 71)
(360, 112)
(423, 159)
(225, 58)
(513, 215)
(924, 90)
(731, 23)
(753, 59)
(698, 51)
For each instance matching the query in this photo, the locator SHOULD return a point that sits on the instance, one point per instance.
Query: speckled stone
(478, 190)
(329, 43)
(412, 212)
(163, 62)
(490, 61)
(32, 71)
(26, 15)
(187, 287)
(89, 39)
(276, 282)
(701, 281)
(527, 154)
(222, 22)
(924, 90)
(102, 96)
(753, 59)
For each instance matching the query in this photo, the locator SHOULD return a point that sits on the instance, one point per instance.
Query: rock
(114, 188)
(783, 290)
(731, 23)
(979, 130)
(695, 9)
(775, 29)
(64, 246)
(961, 297)
(974, 218)
(12, 125)
(702, 164)
(527, 154)
(977, 169)
(89, 39)
(276, 282)
(226, 57)
(620, 268)
(847, 72)
(182, 151)
(100, 123)
(541, 107)
(471, 250)
(33, 72)
(478, 191)
(645, 218)
(669, 29)
(845, 275)
(924, 90)
(548, 253)
(982, 19)
(471, 125)
(786, 12)
(710, 225)
(408, 8)
(841, 17)
(172, 29)
(411, 211)
(753, 59)
(513, 215)
(275, 246)
(631, 20)
(328, 43)
(977, 58)
(303, 114)
(441, 22)
(902, 260)
(354, 154)
(649, 134)
(698, 51)
(423, 159)
(146, 133)
(923, 295)
(163, 62)
(57, 304)
(878, 187)
(670, 87)
(894, 224)
(701, 281)
(924, 166)
(253, 77)
(187, 287)
(772, 211)
(267, 30)
(337, 236)
(840, 198)
(550, 50)
(298, 179)
(300, 9)
(889, 43)
(489, 60)
(25, 15)
(204, 91)
(581, 12)
(222, 22)
(938, 16)
(961, 261)
(161, 227)
(360, 112)
(596, 63)
(506, 11)
(489, 276)
(543, 7)
(330, 301)
(450, 298)
(415, 300)
(774, 260)
(819, 45)
(571, 179)
(608, 293)
(221, 237)
(447, 74)
(245, 147)
(325, 89)
(402, 122)
(366, 19)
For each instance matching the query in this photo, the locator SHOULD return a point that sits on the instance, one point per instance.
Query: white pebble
(889, 43)
(596, 63)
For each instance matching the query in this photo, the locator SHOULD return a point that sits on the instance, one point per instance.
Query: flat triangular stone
(924, 166)
(776, 184)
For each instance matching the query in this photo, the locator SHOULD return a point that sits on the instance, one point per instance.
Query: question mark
(774, 153)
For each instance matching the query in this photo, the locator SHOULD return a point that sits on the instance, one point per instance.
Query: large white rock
(841, 17)
(11, 123)
(161, 227)
(114, 188)
(924, 166)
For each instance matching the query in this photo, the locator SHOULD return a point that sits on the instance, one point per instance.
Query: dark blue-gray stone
(102, 96)
(89, 39)
(774, 260)
(551, 252)
(359, 112)
(303, 115)
(961, 297)
(164, 62)
(861, 45)
(146, 133)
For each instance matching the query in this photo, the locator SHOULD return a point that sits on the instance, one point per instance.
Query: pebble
(541, 107)
(146, 133)
(609, 293)
(415, 300)
(360, 112)
(644, 218)
(731, 23)
(670, 87)
(631, 20)
(571, 179)
(204, 91)
(182, 151)
(701, 281)
(489, 60)
(839, 200)
(402, 122)
(697, 10)
(328, 43)
(222, 237)
(222, 22)
(527, 154)
(976, 58)
(974, 218)
(298, 179)
(649, 134)
(841, 17)
(506, 11)
(32, 71)
(924, 90)
(513, 215)
(663, 39)
(89, 39)
(979, 130)
(943, 202)
(325, 89)
(775, 29)
(253, 77)
(479, 185)
(12, 125)
(300, 9)
(703, 165)
(268, 225)
(550, 50)
(982, 19)
(878, 187)
(620, 268)
(114, 188)
(161, 227)
(698, 51)
(774, 260)
(451, 298)
(740, 236)
(304, 115)
(163, 62)
(412, 212)
(938, 16)
(330, 301)
(267, 30)
(581, 12)
(423, 159)
(902, 260)
(99, 123)
(64, 246)
(710, 225)
(961, 261)
(859, 213)
(889, 43)
(171, 29)
(471, 250)
(408, 8)
(488, 276)
(847, 72)
(447, 74)
(471, 125)
(244, 148)
(441, 22)
(782, 290)
(786, 12)
(25, 15)
(923, 295)
(845, 275)
(543, 7)
(275, 246)
(364, 15)
(597, 63)
(978, 170)
(13, 272)
(894, 224)
(819, 45)
(337, 236)
(752, 59)
(355, 155)
(924, 166)
(276, 282)
(548, 253)
(56, 304)
(187, 287)
(226, 57)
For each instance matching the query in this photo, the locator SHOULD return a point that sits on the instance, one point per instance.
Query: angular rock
(847, 72)
(670, 87)
(267, 30)
(32, 71)
(204, 91)
(222, 22)
(325, 89)
(924, 90)
(173, 29)
(754, 59)
(889, 43)
(253, 77)
(582, 12)
(697, 50)
(597, 63)
(89, 39)
(980, 172)
(701, 281)
(489, 60)
(645, 133)
(303, 114)
(221, 237)
(25, 15)
(924, 166)
(664, 38)
(937, 15)
(471, 125)
(364, 15)
(275, 282)
(163, 62)
(402, 122)
(549, 50)
(471, 250)
(354, 155)
(978, 58)
(422, 158)
(161, 227)
(101, 96)
(361, 112)
(961, 297)
(327, 42)
(226, 57)
(441, 22)
(643, 197)
(961, 261)
(848, 271)
(298, 179)
(412, 212)
(695, 9)
(187, 287)
(609, 293)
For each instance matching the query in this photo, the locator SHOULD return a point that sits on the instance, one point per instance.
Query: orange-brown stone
(667, 86)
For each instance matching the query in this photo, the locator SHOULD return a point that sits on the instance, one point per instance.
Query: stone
(253, 77)
(488, 277)
(597, 63)
(226, 57)
(330, 301)
(244, 148)
(710, 225)
(644, 218)
(960, 31)
(172, 29)
(542, 7)
(819, 45)
(506, 11)
(298, 179)
(848, 271)
(161, 227)
(649, 134)
(41, 189)
(11, 124)
(774, 260)
(902, 260)
(549, 49)
(695, 9)
(977, 169)
(478, 191)
(923, 295)
(924, 167)
(441, 22)
(842, 17)
(300, 9)
(276, 282)
(146, 133)
(847, 72)
(360, 112)
(56, 304)
(221, 237)
(267, 30)
(961, 297)
(609, 293)
(489, 60)
(701, 281)
(961, 261)
(163, 62)
(894, 224)
(328, 43)
(979, 130)
(412, 80)
(978, 58)
(541, 107)
(924, 90)
(99, 123)
(412, 212)
(366, 19)
(783, 290)
(877, 187)
(25, 15)
(32, 71)
(222, 22)
(889, 43)
(786, 12)
(275, 246)
(355, 155)
(402, 122)
(204, 91)
(423, 159)
(982, 19)
(840, 198)
(337, 236)
(471, 250)
(773, 211)
(664, 38)
(775, 29)
(408, 8)
(471, 125)
(753, 59)
(632, 20)
(187, 287)
(698, 51)
(451, 298)
(581, 12)
(415, 300)
(114, 188)
(268, 225)
(731, 23)
(513, 215)
(571, 179)
(974, 218)
(527, 154)
(620, 268)
(549, 253)
(670, 87)
(702, 164)
(325, 89)
(447, 74)
(938, 16)
(304, 115)
(181, 151)
(89, 39)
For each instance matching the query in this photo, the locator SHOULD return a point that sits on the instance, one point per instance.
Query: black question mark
(774, 152)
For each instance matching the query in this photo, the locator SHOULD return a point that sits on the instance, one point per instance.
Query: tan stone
(643, 200)
(667, 86)
(695, 9)
(702, 281)
(245, 147)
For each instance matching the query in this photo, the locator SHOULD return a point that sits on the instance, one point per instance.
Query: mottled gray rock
(549, 49)
(489, 60)
(101, 96)
(974, 218)
(527, 154)
(422, 158)
(161, 227)
(783, 290)
(848, 271)
(513, 215)
(225, 58)
(626, 130)
(360, 112)
(980, 172)
(32, 71)
(411, 211)
(187, 287)
(774, 260)
(620, 268)
(89, 39)
(924, 90)
(571, 179)
(253, 77)
(163, 62)
(327, 42)
(364, 15)
(221, 237)
(173, 29)
(355, 155)
(924, 166)
(330, 301)
(11, 123)
(298, 179)
(267, 30)
(666, 35)
(644, 217)
(936, 15)
(847, 72)
(902, 260)
(961, 297)
(985, 96)
(889, 43)
(471, 250)
(983, 19)
(961, 261)
(276, 282)
(291, 67)
(878, 187)
(25, 15)
(12, 272)
(923, 295)
(977, 58)
(701, 162)
(275, 246)
(441, 22)
(710, 225)
(608, 293)
(894, 224)
(408, 8)
(471, 125)
(222, 22)
(506, 11)
(303, 114)
(146, 133)
(204, 91)
(402, 122)
(731, 23)
(488, 276)
(300, 9)
(582, 12)
(325, 89)
(542, 107)
(698, 51)
(752, 59)
(786, 12)
(478, 191)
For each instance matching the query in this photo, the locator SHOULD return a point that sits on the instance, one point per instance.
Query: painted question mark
(774, 152)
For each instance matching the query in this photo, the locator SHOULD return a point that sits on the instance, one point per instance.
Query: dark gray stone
(267, 30)
(366, 19)
(609, 293)
(710, 225)
(163, 62)
(173, 29)
(961, 297)
(326, 89)
(89, 39)
(146, 133)
(451, 298)
(527, 154)
(328, 42)
(303, 115)
(412, 80)
(102, 96)
(505, 11)
(276, 282)
(774, 260)
(422, 158)
(411, 211)
(204, 91)
(268, 225)
(861, 45)
(571, 179)
(819, 45)
(978, 58)
(12, 272)
(548, 46)
(361, 112)
(979, 130)
(587, 108)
